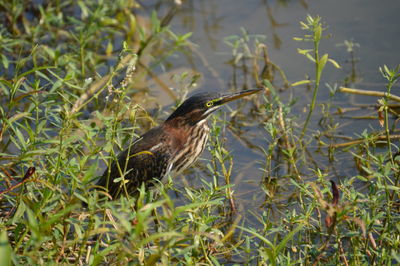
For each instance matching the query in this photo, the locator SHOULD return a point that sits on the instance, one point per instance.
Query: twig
(28, 174)
(8, 178)
(358, 141)
(370, 93)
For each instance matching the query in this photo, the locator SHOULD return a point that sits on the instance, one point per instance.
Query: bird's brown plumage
(172, 146)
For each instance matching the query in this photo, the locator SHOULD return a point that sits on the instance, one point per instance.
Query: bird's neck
(182, 132)
(183, 123)
(188, 142)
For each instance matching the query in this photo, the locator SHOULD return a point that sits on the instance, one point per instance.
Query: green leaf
(214, 260)
(5, 61)
(286, 239)
(20, 137)
(269, 85)
(84, 9)
(109, 48)
(32, 223)
(387, 71)
(322, 62)
(155, 22)
(90, 173)
(57, 217)
(19, 212)
(271, 255)
(304, 26)
(393, 188)
(310, 57)
(318, 33)
(16, 117)
(301, 82)
(79, 196)
(33, 70)
(5, 249)
(334, 63)
(304, 51)
(262, 238)
(192, 206)
(163, 236)
(396, 256)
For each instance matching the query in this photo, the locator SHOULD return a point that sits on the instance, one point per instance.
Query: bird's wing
(147, 159)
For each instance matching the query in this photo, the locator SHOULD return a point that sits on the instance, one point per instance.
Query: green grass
(71, 80)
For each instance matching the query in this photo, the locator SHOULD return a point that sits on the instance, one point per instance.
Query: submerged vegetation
(74, 86)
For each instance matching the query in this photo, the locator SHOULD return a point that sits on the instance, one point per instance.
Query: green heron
(172, 146)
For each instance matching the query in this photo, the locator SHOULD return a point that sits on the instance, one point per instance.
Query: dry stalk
(371, 93)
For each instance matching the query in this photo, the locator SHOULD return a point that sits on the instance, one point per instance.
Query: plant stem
(371, 93)
(318, 71)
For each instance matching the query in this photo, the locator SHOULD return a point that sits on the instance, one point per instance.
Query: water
(371, 24)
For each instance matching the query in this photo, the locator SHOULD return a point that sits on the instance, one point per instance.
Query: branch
(370, 93)
(28, 174)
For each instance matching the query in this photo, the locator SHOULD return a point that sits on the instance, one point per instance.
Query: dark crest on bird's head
(197, 107)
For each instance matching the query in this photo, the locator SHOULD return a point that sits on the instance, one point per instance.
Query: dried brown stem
(358, 141)
(28, 174)
(370, 93)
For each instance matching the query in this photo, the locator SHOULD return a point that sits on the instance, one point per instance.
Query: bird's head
(199, 106)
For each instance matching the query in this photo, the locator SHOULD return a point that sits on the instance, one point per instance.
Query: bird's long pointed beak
(233, 96)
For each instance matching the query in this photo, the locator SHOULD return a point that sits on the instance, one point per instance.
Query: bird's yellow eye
(210, 103)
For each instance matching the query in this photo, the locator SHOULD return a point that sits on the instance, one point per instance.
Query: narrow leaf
(301, 82)
(5, 249)
(286, 239)
(322, 62)
(334, 63)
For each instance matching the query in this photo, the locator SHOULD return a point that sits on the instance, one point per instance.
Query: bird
(169, 148)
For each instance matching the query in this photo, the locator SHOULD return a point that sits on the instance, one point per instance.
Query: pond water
(373, 25)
